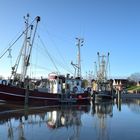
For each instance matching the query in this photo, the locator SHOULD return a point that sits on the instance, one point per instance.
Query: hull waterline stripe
(29, 96)
(43, 98)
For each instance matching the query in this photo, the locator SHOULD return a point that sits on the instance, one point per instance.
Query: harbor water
(98, 121)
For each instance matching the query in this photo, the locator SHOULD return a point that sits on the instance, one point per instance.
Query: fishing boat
(22, 89)
(102, 86)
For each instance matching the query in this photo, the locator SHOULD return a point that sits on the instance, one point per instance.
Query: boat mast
(79, 44)
(78, 65)
(95, 67)
(103, 66)
(26, 49)
(28, 45)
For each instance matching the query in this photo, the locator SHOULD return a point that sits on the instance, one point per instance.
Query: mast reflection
(17, 119)
(102, 111)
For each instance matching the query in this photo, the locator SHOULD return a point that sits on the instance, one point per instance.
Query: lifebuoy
(4, 82)
(75, 89)
(80, 97)
(89, 89)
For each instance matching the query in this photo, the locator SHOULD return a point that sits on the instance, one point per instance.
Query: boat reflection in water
(63, 118)
(37, 123)
(67, 118)
(102, 112)
(98, 121)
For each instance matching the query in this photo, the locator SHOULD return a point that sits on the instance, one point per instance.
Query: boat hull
(18, 95)
(81, 98)
(103, 97)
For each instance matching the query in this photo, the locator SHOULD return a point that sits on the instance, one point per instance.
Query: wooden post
(26, 111)
(26, 101)
(119, 100)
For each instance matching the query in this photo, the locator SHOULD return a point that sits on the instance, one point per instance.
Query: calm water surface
(98, 121)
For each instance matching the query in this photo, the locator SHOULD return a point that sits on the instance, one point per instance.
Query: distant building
(120, 84)
(138, 83)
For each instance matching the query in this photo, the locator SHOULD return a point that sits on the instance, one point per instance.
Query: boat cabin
(56, 83)
(74, 85)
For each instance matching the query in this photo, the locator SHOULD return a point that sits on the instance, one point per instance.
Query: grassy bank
(134, 88)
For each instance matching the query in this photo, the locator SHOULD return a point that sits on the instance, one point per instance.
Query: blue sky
(106, 26)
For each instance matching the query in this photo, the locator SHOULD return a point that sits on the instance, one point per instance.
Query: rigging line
(48, 53)
(41, 67)
(15, 67)
(36, 59)
(63, 66)
(56, 36)
(17, 39)
(51, 36)
(64, 62)
(11, 42)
